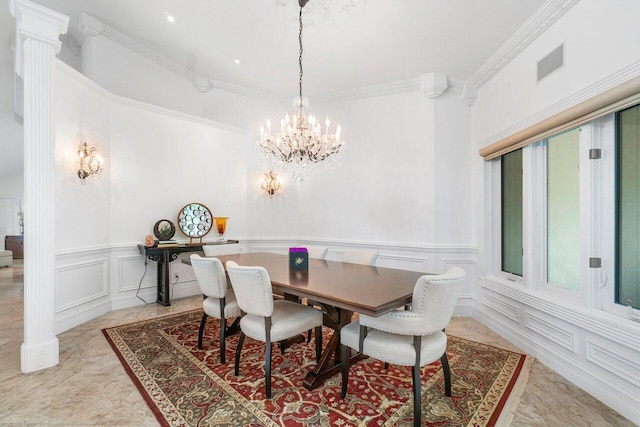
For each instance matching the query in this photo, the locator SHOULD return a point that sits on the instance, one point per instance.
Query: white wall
(11, 156)
(12, 185)
(597, 351)
(601, 48)
(156, 161)
(389, 191)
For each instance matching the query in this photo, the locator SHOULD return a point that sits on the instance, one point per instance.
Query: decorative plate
(164, 229)
(195, 220)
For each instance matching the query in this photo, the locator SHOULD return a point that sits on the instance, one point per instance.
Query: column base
(39, 356)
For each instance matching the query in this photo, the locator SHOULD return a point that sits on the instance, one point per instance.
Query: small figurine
(149, 241)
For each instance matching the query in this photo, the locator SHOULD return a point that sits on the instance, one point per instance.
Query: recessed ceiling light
(170, 18)
(237, 61)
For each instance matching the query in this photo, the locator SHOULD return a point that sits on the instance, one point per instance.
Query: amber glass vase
(221, 225)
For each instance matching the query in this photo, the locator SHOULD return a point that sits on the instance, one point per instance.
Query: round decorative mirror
(164, 229)
(195, 220)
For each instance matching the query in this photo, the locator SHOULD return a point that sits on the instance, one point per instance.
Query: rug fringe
(511, 406)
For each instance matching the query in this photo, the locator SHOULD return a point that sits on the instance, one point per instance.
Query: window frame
(535, 242)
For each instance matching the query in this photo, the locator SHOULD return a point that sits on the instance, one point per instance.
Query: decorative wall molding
(81, 265)
(503, 308)
(383, 89)
(538, 23)
(469, 94)
(389, 246)
(404, 258)
(550, 331)
(613, 361)
(117, 99)
(122, 280)
(610, 388)
(616, 329)
(82, 252)
(584, 94)
(454, 86)
(433, 84)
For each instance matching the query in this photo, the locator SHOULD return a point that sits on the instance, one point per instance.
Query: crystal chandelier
(302, 142)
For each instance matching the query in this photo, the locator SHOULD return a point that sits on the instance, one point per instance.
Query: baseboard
(79, 315)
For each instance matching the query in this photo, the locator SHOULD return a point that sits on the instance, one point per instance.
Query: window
(569, 209)
(628, 207)
(563, 210)
(511, 190)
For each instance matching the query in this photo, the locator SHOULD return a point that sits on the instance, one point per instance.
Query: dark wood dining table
(341, 289)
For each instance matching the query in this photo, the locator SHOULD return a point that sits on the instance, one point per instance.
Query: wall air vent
(551, 62)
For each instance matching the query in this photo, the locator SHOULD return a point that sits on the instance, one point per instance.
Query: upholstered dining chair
(409, 338)
(267, 320)
(317, 252)
(358, 256)
(219, 302)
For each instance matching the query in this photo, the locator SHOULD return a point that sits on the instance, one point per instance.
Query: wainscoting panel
(550, 331)
(616, 359)
(80, 283)
(510, 311)
(132, 274)
(82, 287)
(596, 351)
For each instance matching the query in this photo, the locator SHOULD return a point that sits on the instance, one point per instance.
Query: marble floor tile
(91, 388)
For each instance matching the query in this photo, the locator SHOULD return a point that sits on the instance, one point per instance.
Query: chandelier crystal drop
(300, 143)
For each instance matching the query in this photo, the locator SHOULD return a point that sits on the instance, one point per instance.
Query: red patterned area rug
(185, 386)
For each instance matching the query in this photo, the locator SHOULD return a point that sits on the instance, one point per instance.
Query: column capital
(36, 22)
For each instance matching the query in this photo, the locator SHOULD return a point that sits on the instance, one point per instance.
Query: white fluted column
(37, 31)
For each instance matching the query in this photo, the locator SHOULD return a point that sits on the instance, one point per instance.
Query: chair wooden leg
(309, 335)
(267, 369)
(386, 365)
(201, 330)
(223, 341)
(415, 371)
(318, 343)
(447, 374)
(345, 370)
(236, 369)
(267, 362)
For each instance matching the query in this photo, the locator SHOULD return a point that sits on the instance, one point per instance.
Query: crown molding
(433, 84)
(383, 89)
(588, 92)
(537, 24)
(454, 85)
(91, 26)
(89, 84)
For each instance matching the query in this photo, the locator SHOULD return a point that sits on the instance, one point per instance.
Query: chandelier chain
(300, 56)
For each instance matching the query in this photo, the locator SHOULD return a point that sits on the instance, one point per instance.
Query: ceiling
(347, 43)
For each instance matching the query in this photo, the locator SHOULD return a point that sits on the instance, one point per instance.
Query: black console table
(163, 256)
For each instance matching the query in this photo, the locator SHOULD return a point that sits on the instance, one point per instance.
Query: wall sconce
(270, 183)
(90, 162)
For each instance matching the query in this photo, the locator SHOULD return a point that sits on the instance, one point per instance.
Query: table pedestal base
(330, 360)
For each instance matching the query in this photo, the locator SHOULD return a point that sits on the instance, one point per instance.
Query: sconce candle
(90, 162)
(270, 183)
